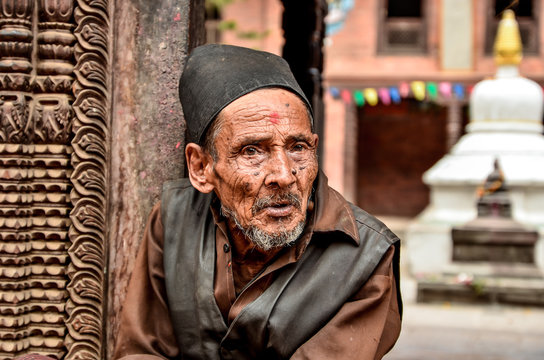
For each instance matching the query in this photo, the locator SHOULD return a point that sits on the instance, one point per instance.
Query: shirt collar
(332, 212)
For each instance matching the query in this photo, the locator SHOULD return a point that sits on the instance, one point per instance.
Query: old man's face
(266, 164)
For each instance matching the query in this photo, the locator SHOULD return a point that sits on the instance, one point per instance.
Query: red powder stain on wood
(274, 118)
(178, 17)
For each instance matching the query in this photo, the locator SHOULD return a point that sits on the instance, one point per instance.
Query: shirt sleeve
(146, 331)
(366, 327)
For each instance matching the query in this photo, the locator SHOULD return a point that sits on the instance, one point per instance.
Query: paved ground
(469, 332)
(465, 332)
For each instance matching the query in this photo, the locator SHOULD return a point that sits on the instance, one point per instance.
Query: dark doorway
(404, 8)
(396, 145)
(304, 31)
(521, 7)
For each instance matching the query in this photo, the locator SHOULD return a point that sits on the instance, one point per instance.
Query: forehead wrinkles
(252, 113)
(264, 109)
(248, 111)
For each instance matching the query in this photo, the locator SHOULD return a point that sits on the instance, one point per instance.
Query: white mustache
(284, 199)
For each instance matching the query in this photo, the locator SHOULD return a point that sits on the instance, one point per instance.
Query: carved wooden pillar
(455, 122)
(20, 266)
(53, 135)
(68, 192)
(351, 147)
(89, 161)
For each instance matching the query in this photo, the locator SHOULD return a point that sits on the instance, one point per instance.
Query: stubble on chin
(263, 239)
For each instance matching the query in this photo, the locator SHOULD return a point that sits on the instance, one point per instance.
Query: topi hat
(215, 75)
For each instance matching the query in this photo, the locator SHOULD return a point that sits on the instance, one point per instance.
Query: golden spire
(508, 46)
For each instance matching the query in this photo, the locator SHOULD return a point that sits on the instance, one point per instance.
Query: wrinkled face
(266, 163)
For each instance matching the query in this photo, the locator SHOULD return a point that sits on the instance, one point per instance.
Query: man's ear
(316, 140)
(199, 164)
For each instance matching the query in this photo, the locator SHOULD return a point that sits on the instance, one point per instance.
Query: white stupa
(505, 124)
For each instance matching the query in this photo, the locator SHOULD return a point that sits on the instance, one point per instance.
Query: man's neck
(248, 259)
(244, 250)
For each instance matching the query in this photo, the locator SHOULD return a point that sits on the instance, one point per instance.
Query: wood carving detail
(89, 160)
(15, 124)
(54, 96)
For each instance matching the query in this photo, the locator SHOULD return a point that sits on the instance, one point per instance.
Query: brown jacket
(365, 327)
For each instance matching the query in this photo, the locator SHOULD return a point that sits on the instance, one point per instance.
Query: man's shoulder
(181, 190)
(179, 196)
(177, 184)
(367, 223)
(334, 211)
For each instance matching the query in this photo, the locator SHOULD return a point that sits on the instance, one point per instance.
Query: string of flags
(419, 90)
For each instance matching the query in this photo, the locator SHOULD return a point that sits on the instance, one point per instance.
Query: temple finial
(508, 47)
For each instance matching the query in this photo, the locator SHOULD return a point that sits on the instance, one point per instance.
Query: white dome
(507, 102)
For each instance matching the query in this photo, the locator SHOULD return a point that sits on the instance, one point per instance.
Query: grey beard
(262, 239)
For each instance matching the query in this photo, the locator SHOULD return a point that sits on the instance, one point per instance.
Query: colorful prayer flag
(371, 96)
(418, 89)
(459, 91)
(346, 96)
(445, 89)
(384, 96)
(335, 93)
(432, 90)
(395, 95)
(359, 98)
(404, 89)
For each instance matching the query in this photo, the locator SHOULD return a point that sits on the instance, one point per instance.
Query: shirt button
(226, 248)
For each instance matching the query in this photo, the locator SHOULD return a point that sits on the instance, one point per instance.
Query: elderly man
(254, 256)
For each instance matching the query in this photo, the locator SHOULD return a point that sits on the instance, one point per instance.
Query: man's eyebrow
(299, 137)
(255, 139)
(250, 139)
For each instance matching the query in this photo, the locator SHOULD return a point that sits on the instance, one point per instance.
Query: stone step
(467, 288)
(487, 269)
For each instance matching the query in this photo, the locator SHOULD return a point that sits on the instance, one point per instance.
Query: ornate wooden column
(351, 151)
(88, 133)
(54, 113)
(89, 197)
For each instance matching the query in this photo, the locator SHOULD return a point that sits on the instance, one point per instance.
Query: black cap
(216, 75)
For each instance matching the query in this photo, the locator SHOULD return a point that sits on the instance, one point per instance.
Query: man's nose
(280, 170)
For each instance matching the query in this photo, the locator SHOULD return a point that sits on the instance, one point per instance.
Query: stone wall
(152, 40)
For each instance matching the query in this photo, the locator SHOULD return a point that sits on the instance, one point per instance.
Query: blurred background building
(397, 76)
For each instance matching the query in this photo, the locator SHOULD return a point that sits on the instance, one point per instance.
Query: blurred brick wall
(262, 17)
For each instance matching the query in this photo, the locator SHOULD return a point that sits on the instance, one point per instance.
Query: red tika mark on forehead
(274, 118)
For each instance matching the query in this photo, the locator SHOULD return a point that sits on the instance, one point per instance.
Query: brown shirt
(366, 327)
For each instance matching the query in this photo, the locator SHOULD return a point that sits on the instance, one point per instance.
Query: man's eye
(249, 150)
(298, 147)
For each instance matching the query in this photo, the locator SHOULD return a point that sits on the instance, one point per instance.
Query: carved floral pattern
(89, 198)
(14, 118)
(53, 156)
(52, 119)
